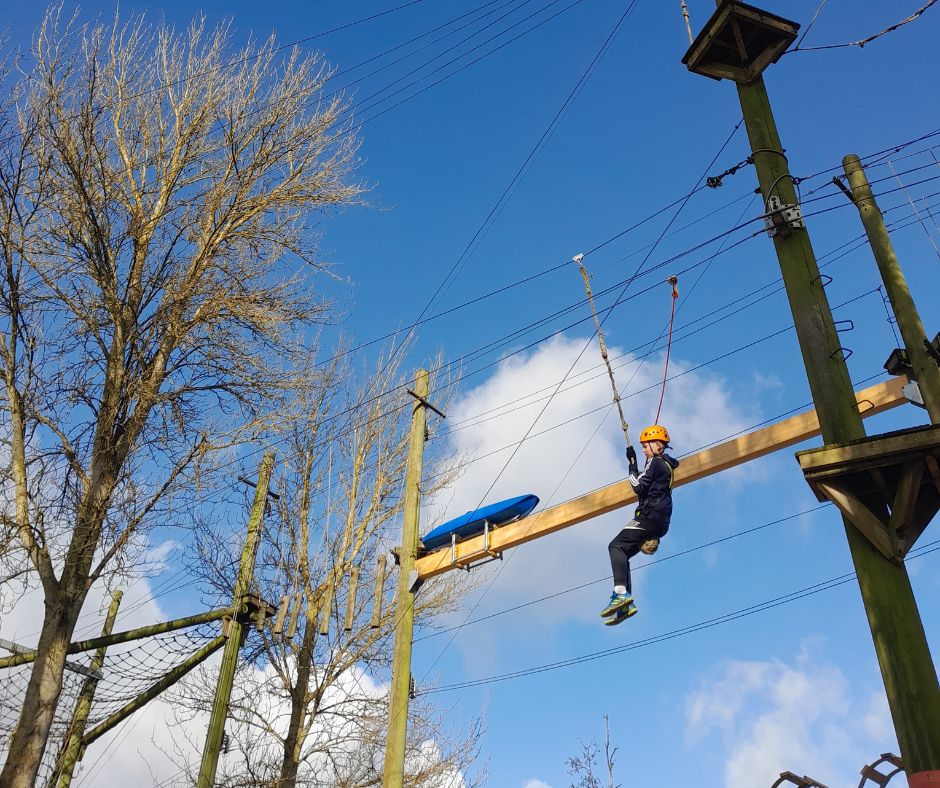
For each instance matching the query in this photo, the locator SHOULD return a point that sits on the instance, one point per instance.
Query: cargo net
(128, 670)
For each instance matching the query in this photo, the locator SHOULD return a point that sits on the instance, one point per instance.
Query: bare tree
(154, 200)
(307, 709)
(582, 765)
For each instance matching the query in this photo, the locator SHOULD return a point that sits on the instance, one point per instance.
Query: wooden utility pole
(223, 690)
(738, 42)
(924, 368)
(62, 777)
(393, 773)
(906, 666)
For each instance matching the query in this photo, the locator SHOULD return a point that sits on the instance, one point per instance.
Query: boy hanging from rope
(650, 521)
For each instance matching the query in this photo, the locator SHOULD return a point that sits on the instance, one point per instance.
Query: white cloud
(535, 784)
(772, 716)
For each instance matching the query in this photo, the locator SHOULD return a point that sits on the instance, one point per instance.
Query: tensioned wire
(518, 446)
(545, 136)
(461, 377)
(861, 239)
(514, 334)
(496, 344)
(157, 592)
(504, 197)
(741, 303)
(566, 264)
(273, 50)
(600, 321)
(148, 598)
(652, 387)
(725, 618)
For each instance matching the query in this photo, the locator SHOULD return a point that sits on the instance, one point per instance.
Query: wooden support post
(394, 768)
(278, 627)
(379, 598)
(62, 777)
(789, 432)
(862, 518)
(294, 615)
(351, 599)
(897, 631)
(223, 691)
(326, 609)
(925, 369)
(905, 499)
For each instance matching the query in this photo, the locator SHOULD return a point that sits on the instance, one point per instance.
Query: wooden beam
(906, 497)
(789, 432)
(862, 518)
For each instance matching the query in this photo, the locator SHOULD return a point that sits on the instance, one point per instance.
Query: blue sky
(796, 687)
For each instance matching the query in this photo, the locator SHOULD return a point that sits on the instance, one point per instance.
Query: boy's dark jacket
(654, 489)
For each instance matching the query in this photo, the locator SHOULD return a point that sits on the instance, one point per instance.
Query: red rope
(674, 281)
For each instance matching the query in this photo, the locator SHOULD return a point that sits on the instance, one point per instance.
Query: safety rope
(674, 281)
(579, 259)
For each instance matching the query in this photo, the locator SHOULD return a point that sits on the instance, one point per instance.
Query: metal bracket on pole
(414, 582)
(799, 782)
(845, 189)
(471, 562)
(912, 394)
(782, 218)
(870, 773)
(427, 404)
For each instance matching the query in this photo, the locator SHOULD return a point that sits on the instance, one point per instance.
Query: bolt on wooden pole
(925, 369)
(223, 690)
(73, 744)
(394, 769)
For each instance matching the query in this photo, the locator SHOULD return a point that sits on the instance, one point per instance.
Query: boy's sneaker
(617, 601)
(623, 614)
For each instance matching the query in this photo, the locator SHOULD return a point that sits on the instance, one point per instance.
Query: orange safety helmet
(654, 433)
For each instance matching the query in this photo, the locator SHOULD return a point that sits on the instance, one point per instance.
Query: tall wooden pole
(393, 774)
(223, 690)
(906, 666)
(925, 369)
(73, 744)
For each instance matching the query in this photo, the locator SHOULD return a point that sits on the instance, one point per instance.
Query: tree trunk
(293, 742)
(42, 693)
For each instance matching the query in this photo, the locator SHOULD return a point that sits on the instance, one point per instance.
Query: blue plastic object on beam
(472, 523)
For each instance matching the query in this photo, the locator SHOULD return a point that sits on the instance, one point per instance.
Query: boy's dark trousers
(627, 544)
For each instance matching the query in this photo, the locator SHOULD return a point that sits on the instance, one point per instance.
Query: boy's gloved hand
(631, 459)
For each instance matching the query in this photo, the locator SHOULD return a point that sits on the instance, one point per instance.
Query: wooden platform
(887, 485)
(738, 42)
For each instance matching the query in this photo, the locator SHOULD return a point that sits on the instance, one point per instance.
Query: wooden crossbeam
(737, 451)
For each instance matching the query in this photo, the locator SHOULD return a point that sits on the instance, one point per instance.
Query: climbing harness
(674, 281)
